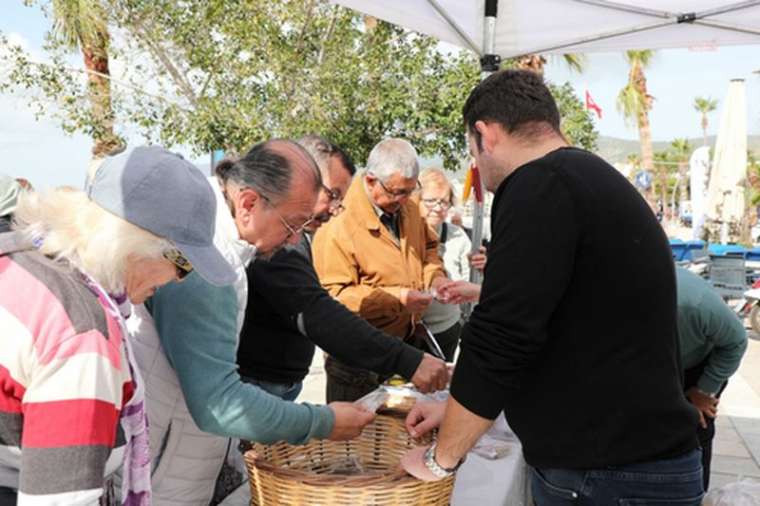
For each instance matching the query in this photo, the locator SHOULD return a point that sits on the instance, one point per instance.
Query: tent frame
(664, 18)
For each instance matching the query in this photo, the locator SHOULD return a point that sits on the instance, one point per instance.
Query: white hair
(391, 156)
(75, 229)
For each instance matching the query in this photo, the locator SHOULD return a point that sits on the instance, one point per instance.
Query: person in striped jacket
(71, 400)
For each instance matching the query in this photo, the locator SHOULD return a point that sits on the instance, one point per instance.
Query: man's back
(600, 358)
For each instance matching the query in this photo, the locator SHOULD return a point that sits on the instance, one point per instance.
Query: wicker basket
(286, 475)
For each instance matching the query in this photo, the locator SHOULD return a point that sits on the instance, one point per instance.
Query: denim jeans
(674, 482)
(7, 496)
(285, 391)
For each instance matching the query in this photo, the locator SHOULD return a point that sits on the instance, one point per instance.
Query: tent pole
(489, 63)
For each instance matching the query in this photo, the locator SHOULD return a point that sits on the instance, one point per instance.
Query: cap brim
(209, 263)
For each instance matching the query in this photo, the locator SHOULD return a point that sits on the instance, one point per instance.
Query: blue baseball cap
(161, 192)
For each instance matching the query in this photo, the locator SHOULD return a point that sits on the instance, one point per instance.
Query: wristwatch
(435, 467)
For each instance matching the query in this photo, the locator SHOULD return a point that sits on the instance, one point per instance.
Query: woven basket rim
(396, 474)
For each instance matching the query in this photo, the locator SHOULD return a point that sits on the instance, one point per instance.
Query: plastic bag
(350, 466)
(498, 442)
(373, 400)
(738, 493)
(401, 397)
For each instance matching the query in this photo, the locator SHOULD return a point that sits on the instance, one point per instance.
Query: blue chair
(695, 251)
(678, 247)
(727, 249)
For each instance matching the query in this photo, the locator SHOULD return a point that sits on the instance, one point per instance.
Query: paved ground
(736, 448)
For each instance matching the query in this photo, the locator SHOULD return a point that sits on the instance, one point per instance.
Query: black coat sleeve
(291, 285)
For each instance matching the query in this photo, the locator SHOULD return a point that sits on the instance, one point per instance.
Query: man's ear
(487, 135)
(248, 198)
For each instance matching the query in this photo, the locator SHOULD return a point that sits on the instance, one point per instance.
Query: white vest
(186, 461)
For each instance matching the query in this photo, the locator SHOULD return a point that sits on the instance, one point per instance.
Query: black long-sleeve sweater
(575, 333)
(283, 290)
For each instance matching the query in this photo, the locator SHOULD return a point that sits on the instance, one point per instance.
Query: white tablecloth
(501, 482)
(479, 482)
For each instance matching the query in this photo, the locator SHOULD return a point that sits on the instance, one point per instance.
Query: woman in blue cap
(71, 399)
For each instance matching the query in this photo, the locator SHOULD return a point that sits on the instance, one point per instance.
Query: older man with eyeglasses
(379, 258)
(186, 336)
(290, 312)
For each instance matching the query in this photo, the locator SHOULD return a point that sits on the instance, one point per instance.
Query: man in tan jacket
(379, 258)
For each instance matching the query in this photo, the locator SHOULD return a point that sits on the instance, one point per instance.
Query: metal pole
(489, 63)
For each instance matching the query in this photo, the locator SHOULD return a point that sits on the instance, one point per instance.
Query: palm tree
(704, 106)
(681, 150)
(635, 102)
(536, 62)
(81, 24)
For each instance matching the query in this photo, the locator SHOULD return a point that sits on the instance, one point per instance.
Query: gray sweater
(440, 317)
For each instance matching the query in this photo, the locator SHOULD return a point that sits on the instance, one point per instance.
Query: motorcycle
(749, 306)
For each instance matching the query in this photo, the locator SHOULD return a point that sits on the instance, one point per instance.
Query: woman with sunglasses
(436, 197)
(72, 401)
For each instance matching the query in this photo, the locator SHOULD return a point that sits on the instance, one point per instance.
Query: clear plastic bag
(350, 466)
(739, 493)
(498, 442)
(373, 400)
(401, 396)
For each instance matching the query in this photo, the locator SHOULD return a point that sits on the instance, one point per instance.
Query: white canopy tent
(565, 26)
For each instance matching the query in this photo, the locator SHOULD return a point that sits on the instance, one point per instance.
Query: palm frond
(575, 61)
(78, 22)
(641, 58)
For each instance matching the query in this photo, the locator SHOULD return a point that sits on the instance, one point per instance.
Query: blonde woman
(71, 406)
(436, 198)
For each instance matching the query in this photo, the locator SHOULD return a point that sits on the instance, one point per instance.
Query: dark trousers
(346, 383)
(675, 481)
(7, 496)
(448, 340)
(705, 435)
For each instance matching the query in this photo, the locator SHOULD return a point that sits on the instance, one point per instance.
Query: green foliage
(577, 123)
(78, 22)
(680, 150)
(753, 178)
(213, 74)
(705, 105)
(633, 100)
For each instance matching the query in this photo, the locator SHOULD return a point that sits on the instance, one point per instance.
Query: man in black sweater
(289, 311)
(574, 336)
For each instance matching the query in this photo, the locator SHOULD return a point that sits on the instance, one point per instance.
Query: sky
(41, 152)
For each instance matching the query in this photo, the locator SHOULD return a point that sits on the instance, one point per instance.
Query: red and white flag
(591, 105)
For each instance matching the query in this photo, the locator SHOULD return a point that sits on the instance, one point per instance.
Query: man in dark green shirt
(713, 341)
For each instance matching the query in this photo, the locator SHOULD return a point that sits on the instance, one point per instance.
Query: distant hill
(615, 150)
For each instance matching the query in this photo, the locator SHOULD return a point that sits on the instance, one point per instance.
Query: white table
(502, 482)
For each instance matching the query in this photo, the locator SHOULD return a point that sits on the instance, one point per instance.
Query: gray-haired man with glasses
(291, 312)
(379, 259)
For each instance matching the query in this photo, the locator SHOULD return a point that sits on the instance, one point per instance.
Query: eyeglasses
(291, 231)
(336, 200)
(443, 205)
(183, 265)
(399, 194)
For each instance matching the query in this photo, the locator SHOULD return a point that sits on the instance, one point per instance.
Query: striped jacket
(64, 379)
